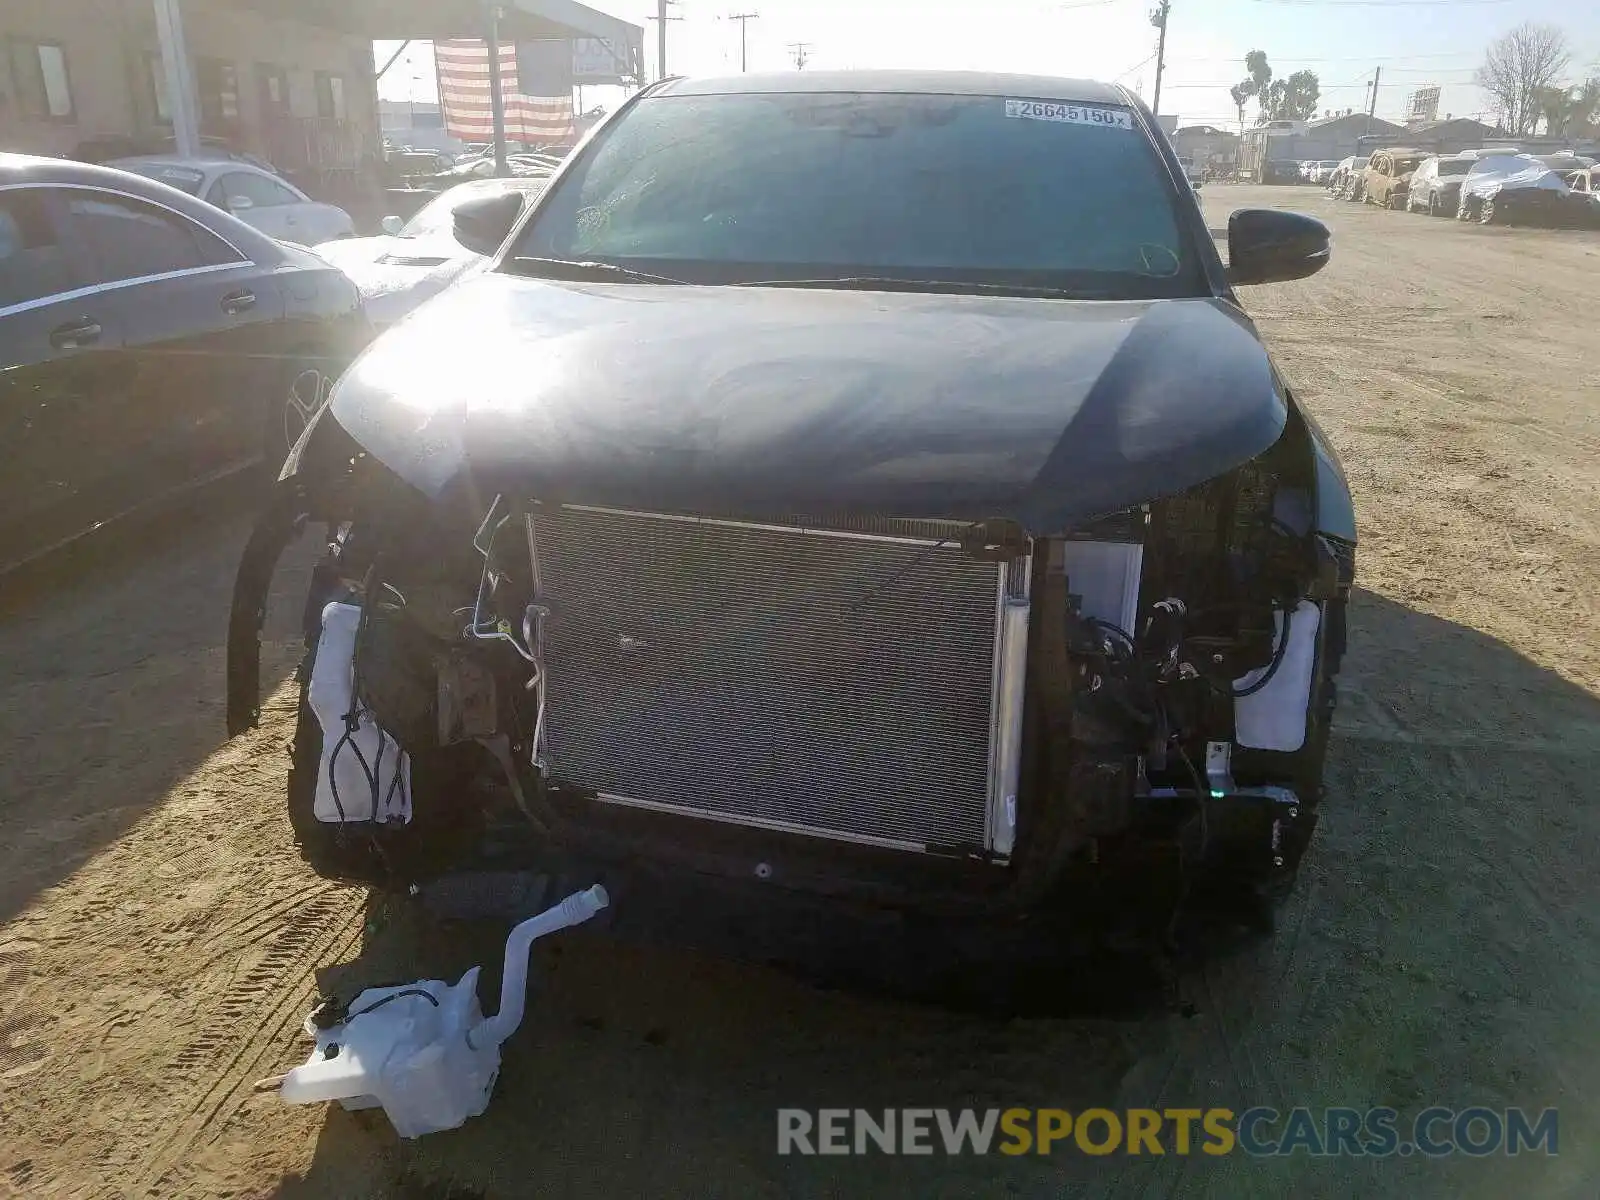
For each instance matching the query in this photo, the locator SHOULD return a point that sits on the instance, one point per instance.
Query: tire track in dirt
(243, 1031)
(20, 1053)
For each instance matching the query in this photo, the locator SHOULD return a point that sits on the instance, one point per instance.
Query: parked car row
(255, 195)
(155, 336)
(1494, 185)
(413, 260)
(150, 341)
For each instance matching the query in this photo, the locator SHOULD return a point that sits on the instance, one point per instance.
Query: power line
(1379, 3)
(1133, 68)
(1360, 83)
(802, 54)
(1383, 58)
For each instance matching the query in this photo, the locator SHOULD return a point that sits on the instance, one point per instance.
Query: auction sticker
(1072, 114)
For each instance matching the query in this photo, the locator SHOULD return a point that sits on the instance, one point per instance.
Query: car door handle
(74, 335)
(237, 302)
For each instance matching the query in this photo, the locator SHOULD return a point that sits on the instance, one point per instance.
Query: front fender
(309, 487)
(1333, 508)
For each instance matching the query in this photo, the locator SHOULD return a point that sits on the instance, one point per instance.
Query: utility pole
(181, 104)
(1158, 18)
(799, 51)
(661, 20)
(1372, 101)
(743, 18)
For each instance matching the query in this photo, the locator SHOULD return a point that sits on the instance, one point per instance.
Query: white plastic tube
(574, 910)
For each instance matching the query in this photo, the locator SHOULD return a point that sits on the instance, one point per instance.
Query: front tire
(1487, 213)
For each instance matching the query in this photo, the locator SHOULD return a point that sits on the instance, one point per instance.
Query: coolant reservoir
(1275, 717)
(405, 1049)
(363, 774)
(423, 1052)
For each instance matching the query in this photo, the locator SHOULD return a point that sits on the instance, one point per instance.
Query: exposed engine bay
(924, 713)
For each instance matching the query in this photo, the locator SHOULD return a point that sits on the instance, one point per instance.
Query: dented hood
(786, 401)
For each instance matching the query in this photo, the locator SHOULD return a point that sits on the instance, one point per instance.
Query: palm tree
(1586, 106)
(1570, 112)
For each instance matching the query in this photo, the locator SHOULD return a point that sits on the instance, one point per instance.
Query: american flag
(463, 67)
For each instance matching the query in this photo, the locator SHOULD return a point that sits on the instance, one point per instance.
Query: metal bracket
(1219, 768)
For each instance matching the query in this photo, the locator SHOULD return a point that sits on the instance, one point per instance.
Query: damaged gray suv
(865, 494)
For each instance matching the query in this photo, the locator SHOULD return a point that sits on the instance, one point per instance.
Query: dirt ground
(161, 942)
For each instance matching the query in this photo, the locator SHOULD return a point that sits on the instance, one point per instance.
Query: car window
(259, 190)
(185, 179)
(805, 185)
(33, 264)
(130, 239)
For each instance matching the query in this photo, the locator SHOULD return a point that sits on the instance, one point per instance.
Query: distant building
(1454, 134)
(1329, 139)
(418, 124)
(1207, 147)
(87, 77)
(289, 80)
(1450, 135)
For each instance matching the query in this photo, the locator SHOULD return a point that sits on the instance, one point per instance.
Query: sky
(1416, 43)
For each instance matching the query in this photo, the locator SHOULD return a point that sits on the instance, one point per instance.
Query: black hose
(1272, 667)
(379, 1003)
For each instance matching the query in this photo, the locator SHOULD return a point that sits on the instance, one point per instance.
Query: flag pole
(497, 104)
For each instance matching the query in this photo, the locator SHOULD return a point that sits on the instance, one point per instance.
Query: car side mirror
(392, 225)
(1266, 245)
(239, 203)
(482, 225)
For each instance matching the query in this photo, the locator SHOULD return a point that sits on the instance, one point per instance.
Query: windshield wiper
(567, 268)
(954, 287)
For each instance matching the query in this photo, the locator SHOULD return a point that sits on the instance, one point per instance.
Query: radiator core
(857, 682)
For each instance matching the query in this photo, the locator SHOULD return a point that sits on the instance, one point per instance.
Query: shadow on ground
(1462, 773)
(113, 689)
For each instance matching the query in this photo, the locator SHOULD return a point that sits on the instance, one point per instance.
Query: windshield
(1459, 166)
(185, 179)
(937, 188)
(1501, 164)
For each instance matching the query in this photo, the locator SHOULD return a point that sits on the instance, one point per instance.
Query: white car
(412, 261)
(257, 197)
